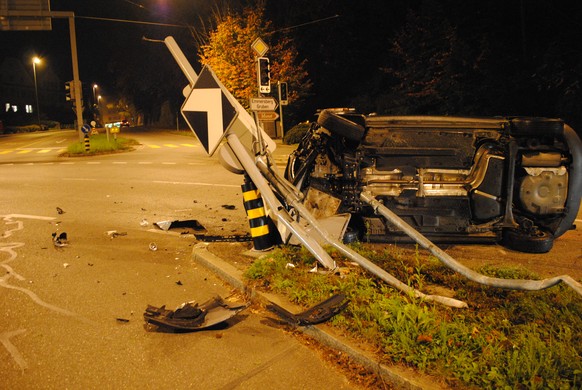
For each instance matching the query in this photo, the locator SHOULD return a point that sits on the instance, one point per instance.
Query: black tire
(518, 240)
(537, 126)
(340, 125)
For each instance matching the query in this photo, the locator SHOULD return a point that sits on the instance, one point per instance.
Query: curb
(234, 277)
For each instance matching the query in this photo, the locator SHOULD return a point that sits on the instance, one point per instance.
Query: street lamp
(95, 101)
(35, 61)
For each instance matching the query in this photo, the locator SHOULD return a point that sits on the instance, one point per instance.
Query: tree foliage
(227, 49)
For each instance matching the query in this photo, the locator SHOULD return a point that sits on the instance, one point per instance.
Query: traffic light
(264, 75)
(70, 90)
(283, 94)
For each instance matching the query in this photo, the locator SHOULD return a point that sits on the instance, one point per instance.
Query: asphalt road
(72, 316)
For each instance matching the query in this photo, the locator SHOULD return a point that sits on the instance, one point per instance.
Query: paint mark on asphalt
(5, 340)
(196, 184)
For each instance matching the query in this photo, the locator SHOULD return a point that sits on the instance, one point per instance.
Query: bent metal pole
(292, 199)
(513, 284)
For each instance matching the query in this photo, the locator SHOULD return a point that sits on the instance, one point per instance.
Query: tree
(227, 49)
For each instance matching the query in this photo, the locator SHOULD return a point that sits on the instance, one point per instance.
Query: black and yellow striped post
(258, 219)
(87, 143)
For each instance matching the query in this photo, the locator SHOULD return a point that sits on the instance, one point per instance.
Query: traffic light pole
(281, 111)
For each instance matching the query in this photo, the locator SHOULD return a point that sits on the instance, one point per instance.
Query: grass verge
(98, 144)
(506, 339)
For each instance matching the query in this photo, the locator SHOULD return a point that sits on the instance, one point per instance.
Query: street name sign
(267, 116)
(263, 104)
(208, 110)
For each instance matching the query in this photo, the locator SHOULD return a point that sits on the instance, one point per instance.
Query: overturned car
(514, 180)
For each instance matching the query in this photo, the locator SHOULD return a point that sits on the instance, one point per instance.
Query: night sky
(98, 41)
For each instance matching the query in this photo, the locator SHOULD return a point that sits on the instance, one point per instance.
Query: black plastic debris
(229, 206)
(60, 240)
(191, 224)
(228, 238)
(60, 210)
(190, 316)
(317, 314)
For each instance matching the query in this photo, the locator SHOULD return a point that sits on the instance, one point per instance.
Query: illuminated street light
(35, 61)
(95, 86)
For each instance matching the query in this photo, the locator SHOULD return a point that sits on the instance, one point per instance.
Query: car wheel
(340, 125)
(537, 126)
(529, 242)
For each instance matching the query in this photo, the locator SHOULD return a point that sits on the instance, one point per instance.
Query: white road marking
(78, 179)
(5, 340)
(196, 184)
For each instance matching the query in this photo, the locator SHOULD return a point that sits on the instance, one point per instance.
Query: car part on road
(60, 240)
(316, 315)
(153, 247)
(115, 233)
(186, 224)
(190, 316)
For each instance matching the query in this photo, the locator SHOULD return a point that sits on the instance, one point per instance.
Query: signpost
(263, 104)
(267, 116)
(30, 15)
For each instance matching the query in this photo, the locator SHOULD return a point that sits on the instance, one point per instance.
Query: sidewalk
(396, 377)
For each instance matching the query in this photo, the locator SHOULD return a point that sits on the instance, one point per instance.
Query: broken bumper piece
(315, 315)
(191, 316)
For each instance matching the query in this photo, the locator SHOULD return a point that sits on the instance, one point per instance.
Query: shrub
(296, 133)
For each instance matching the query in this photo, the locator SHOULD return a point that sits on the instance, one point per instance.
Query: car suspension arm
(513, 284)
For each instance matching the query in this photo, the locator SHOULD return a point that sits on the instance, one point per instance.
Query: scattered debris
(115, 233)
(190, 224)
(144, 222)
(231, 238)
(60, 240)
(153, 247)
(122, 320)
(66, 265)
(229, 206)
(191, 316)
(289, 265)
(60, 210)
(315, 315)
(179, 283)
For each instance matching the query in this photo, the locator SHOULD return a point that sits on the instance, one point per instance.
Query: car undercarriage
(516, 181)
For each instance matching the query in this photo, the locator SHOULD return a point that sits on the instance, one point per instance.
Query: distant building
(17, 94)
